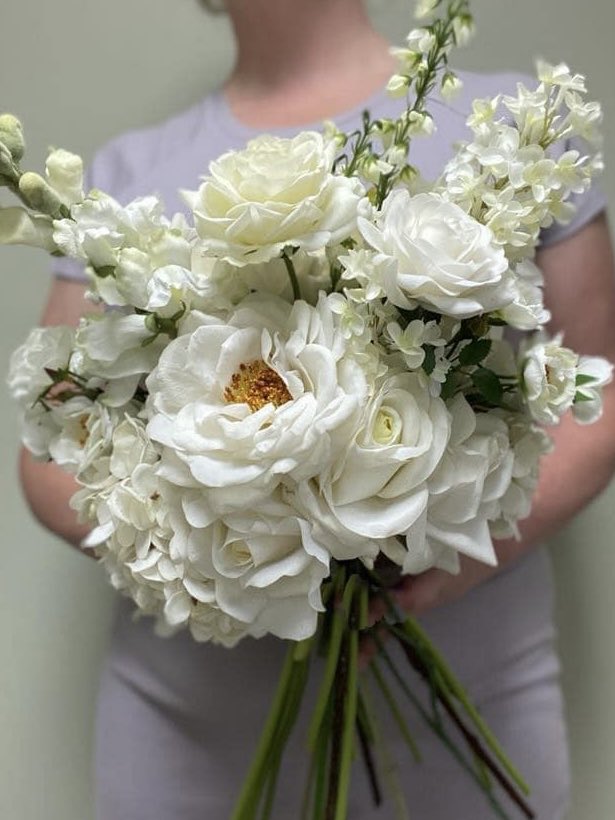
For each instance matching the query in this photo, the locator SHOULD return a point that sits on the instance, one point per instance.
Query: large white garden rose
(276, 192)
(378, 488)
(444, 259)
(242, 403)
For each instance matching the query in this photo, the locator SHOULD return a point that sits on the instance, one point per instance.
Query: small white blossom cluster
(313, 371)
(510, 177)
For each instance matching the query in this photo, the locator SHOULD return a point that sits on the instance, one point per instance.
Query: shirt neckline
(228, 122)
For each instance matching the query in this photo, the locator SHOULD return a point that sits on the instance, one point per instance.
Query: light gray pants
(178, 721)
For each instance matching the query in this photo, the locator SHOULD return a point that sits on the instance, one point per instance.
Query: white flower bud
(38, 194)
(65, 175)
(11, 135)
(421, 124)
(420, 41)
(8, 171)
(451, 86)
(463, 28)
(424, 8)
(398, 85)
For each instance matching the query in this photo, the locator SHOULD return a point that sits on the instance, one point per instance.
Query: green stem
(249, 798)
(438, 729)
(348, 732)
(412, 629)
(292, 275)
(387, 764)
(339, 619)
(395, 710)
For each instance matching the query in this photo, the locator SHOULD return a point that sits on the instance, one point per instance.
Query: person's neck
(300, 61)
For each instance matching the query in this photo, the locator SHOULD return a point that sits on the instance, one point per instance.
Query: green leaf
(475, 352)
(579, 397)
(583, 378)
(429, 362)
(488, 385)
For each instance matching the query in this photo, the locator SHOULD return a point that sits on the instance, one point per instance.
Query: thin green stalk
(387, 764)
(439, 730)
(348, 732)
(249, 798)
(287, 721)
(339, 620)
(367, 737)
(292, 275)
(399, 719)
(321, 755)
(412, 629)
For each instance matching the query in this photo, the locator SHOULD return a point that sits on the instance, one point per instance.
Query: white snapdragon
(65, 175)
(398, 85)
(424, 8)
(464, 29)
(559, 75)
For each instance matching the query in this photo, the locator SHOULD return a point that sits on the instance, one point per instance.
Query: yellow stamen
(256, 385)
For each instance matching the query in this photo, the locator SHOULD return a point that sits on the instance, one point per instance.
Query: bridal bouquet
(306, 391)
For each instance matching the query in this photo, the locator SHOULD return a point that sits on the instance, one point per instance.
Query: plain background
(78, 72)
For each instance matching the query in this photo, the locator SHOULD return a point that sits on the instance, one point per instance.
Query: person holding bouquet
(177, 718)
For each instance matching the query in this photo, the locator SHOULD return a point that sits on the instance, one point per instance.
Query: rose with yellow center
(270, 392)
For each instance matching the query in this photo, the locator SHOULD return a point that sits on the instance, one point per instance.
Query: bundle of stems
(344, 722)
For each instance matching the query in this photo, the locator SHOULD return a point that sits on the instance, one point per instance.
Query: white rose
(548, 379)
(244, 402)
(46, 348)
(444, 259)
(276, 192)
(269, 571)
(378, 489)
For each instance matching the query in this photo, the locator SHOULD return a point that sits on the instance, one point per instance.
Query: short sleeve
(587, 205)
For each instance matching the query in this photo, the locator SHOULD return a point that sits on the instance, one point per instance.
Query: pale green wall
(78, 72)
